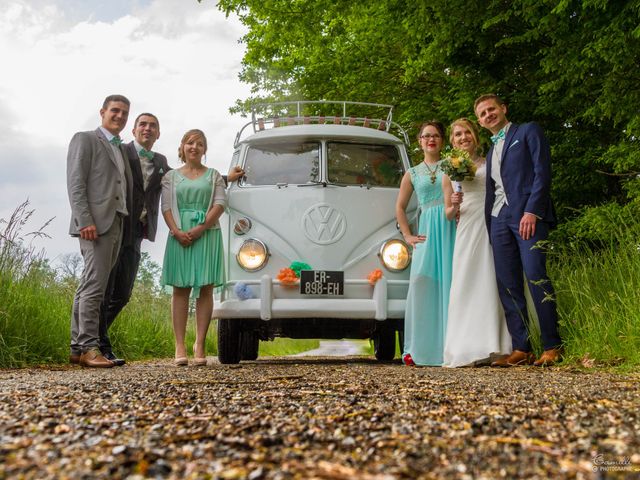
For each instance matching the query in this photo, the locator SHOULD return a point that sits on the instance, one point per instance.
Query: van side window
(364, 164)
(282, 162)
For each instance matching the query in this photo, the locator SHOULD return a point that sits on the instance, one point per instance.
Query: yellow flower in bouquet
(458, 165)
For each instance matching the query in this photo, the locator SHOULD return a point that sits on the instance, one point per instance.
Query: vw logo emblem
(323, 224)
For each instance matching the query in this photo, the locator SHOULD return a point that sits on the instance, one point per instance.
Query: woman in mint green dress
(425, 321)
(193, 199)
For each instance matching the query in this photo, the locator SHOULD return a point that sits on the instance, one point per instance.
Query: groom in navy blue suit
(519, 214)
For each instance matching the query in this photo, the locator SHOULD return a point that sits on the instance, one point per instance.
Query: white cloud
(178, 60)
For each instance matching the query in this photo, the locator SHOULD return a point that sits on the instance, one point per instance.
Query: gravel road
(317, 418)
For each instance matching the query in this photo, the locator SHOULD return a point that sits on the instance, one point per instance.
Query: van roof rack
(280, 114)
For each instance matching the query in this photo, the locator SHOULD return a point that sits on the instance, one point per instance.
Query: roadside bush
(597, 282)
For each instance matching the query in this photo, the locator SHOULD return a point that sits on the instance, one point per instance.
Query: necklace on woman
(193, 172)
(432, 173)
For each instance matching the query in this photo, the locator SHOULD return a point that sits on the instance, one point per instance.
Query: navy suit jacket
(526, 175)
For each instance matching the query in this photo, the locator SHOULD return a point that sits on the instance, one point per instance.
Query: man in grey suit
(98, 184)
(147, 169)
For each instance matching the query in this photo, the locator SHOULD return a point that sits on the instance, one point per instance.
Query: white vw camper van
(318, 200)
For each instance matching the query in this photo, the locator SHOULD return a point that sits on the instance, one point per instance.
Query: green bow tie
(116, 140)
(145, 153)
(498, 136)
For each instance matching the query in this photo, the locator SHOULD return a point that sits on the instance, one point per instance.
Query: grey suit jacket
(93, 181)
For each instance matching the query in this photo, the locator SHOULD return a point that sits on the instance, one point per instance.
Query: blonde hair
(469, 125)
(187, 137)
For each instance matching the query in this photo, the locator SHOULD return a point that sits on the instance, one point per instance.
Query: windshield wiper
(338, 184)
(313, 183)
(324, 184)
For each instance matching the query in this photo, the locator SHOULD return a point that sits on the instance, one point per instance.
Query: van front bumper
(266, 306)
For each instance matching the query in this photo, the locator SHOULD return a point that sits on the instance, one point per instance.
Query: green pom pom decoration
(297, 266)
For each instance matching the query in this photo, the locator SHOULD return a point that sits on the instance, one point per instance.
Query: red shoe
(408, 361)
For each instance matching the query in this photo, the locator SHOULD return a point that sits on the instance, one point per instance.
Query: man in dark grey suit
(147, 169)
(98, 184)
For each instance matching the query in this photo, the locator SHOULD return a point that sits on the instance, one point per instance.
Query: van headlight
(395, 255)
(252, 255)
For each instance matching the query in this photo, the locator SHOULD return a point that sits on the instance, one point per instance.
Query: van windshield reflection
(363, 164)
(282, 163)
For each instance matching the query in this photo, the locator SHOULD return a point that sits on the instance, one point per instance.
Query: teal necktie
(116, 140)
(145, 153)
(498, 136)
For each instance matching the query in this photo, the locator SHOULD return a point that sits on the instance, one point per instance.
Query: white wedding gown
(476, 328)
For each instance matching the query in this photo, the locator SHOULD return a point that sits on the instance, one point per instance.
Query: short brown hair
(115, 98)
(135, 124)
(431, 123)
(471, 126)
(487, 96)
(191, 134)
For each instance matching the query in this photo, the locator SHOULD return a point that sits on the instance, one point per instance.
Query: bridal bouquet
(459, 166)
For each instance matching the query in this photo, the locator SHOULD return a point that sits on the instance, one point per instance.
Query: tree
(148, 276)
(71, 265)
(570, 65)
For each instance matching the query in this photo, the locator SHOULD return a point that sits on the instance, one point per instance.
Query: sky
(178, 59)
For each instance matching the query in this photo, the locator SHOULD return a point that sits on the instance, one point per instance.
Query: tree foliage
(570, 65)
(148, 276)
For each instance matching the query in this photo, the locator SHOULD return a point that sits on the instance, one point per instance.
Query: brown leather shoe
(549, 358)
(94, 359)
(74, 359)
(516, 358)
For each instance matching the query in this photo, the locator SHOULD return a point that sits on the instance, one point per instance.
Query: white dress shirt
(146, 166)
(496, 162)
(122, 206)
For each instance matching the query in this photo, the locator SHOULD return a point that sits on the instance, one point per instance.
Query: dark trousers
(119, 288)
(514, 256)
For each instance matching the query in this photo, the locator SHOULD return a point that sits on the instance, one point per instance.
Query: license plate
(321, 282)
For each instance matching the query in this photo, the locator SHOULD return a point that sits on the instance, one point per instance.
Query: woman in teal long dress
(425, 321)
(193, 198)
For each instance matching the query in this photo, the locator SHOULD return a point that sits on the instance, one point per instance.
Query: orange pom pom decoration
(287, 276)
(374, 276)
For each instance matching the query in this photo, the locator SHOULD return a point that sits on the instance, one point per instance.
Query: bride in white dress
(477, 330)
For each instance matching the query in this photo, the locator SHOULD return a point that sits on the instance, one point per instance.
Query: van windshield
(364, 164)
(282, 162)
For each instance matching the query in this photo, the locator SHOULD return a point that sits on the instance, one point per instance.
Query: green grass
(143, 330)
(34, 319)
(35, 309)
(286, 346)
(35, 314)
(367, 348)
(598, 292)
